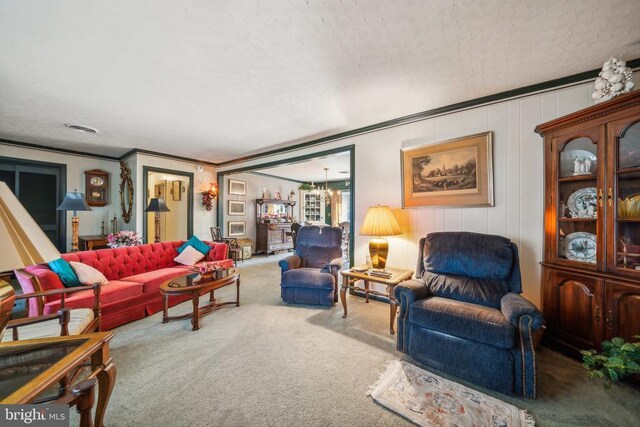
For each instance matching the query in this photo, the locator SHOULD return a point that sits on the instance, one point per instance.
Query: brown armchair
(65, 322)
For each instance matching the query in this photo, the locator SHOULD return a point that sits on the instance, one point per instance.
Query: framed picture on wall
(176, 194)
(158, 191)
(236, 207)
(236, 228)
(457, 172)
(238, 188)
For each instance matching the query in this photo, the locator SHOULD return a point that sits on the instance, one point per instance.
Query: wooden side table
(350, 277)
(87, 243)
(29, 368)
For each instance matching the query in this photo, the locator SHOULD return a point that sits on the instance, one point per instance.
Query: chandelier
(324, 194)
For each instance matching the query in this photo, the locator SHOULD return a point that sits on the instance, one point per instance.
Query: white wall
(90, 222)
(255, 182)
(518, 176)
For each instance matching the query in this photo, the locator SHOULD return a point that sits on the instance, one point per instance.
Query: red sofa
(135, 274)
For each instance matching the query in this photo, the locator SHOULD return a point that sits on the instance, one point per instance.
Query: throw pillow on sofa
(195, 243)
(62, 268)
(88, 275)
(189, 256)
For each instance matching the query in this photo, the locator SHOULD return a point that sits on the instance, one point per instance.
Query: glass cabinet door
(623, 197)
(578, 202)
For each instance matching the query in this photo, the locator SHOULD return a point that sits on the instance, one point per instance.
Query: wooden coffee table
(350, 277)
(185, 285)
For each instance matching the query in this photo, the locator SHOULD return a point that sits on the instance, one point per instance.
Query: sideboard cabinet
(273, 225)
(591, 266)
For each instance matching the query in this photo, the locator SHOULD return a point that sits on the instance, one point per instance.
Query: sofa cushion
(468, 254)
(152, 280)
(463, 320)
(116, 290)
(307, 278)
(118, 263)
(79, 319)
(487, 292)
(189, 256)
(88, 275)
(195, 243)
(63, 269)
(219, 251)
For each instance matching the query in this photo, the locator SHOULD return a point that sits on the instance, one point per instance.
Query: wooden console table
(29, 368)
(87, 243)
(350, 277)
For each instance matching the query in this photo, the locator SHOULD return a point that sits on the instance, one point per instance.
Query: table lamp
(379, 222)
(157, 206)
(74, 202)
(23, 243)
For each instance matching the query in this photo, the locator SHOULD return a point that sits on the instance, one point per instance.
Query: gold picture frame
(456, 172)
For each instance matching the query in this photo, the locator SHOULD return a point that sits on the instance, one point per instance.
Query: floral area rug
(430, 400)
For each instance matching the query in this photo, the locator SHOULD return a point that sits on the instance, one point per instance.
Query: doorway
(40, 187)
(176, 189)
(316, 189)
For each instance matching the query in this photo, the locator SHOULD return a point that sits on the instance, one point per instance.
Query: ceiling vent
(80, 128)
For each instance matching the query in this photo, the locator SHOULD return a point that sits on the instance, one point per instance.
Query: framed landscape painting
(238, 188)
(236, 207)
(457, 172)
(237, 228)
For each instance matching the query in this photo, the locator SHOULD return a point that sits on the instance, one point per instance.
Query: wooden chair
(65, 322)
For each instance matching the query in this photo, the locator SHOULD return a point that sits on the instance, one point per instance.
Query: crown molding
(549, 85)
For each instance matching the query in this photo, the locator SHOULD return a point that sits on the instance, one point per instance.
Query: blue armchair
(311, 275)
(463, 314)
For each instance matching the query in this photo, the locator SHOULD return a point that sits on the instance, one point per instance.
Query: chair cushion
(152, 280)
(63, 269)
(307, 278)
(79, 320)
(463, 320)
(116, 290)
(487, 292)
(468, 254)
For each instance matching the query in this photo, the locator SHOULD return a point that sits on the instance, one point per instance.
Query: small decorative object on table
(210, 270)
(124, 238)
(277, 195)
(614, 79)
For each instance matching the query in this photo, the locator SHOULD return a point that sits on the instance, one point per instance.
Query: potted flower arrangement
(208, 195)
(124, 238)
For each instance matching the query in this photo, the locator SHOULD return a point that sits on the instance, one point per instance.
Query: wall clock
(96, 187)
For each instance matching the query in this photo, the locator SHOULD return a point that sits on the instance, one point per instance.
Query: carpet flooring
(270, 364)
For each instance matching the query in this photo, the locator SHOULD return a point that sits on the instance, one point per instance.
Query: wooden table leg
(238, 292)
(101, 362)
(343, 294)
(212, 297)
(165, 308)
(366, 291)
(195, 320)
(392, 308)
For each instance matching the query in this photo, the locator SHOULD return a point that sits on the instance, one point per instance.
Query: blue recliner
(311, 275)
(463, 314)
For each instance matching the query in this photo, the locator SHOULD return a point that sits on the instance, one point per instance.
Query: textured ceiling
(215, 80)
(313, 170)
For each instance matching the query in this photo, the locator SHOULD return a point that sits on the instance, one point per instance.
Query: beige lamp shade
(380, 221)
(22, 241)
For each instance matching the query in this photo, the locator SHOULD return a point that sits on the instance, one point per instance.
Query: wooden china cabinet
(591, 267)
